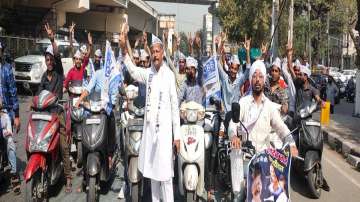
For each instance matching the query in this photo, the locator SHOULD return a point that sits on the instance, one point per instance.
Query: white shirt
(162, 120)
(259, 121)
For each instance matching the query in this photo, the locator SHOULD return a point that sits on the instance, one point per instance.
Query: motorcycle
(44, 166)
(191, 157)
(133, 135)
(94, 144)
(76, 113)
(309, 141)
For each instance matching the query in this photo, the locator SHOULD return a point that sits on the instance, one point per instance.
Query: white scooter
(192, 151)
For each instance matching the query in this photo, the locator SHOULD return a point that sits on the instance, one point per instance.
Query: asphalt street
(344, 181)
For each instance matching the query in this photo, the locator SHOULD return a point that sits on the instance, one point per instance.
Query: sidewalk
(343, 132)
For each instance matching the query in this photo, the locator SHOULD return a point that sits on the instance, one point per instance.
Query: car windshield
(348, 73)
(40, 49)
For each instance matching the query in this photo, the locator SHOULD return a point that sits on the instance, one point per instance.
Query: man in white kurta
(161, 124)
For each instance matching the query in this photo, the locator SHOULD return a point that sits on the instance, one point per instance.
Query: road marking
(342, 172)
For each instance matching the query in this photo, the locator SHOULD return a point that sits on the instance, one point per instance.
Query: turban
(98, 53)
(235, 60)
(191, 62)
(257, 65)
(277, 63)
(49, 50)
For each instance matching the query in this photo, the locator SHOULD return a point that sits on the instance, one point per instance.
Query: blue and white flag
(113, 78)
(211, 80)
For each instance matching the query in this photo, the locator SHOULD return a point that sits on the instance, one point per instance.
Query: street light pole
(328, 39)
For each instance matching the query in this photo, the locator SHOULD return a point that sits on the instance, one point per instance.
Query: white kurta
(156, 151)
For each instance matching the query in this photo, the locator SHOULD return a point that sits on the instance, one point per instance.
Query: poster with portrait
(269, 176)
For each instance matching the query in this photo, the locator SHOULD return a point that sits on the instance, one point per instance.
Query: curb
(349, 150)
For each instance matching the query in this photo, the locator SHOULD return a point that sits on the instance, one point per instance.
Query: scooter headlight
(135, 140)
(139, 112)
(191, 115)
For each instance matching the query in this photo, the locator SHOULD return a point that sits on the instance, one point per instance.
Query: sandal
(16, 184)
(210, 196)
(68, 187)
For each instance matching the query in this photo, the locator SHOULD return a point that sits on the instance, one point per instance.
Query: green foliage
(184, 43)
(253, 18)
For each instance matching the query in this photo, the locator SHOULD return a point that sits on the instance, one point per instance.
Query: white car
(338, 76)
(30, 68)
(349, 74)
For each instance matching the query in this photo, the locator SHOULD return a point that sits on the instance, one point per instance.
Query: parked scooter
(44, 166)
(77, 116)
(192, 151)
(309, 141)
(133, 136)
(350, 95)
(95, 143)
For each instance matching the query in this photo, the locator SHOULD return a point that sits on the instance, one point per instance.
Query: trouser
(9, 141)
(163, 190)
(111, 133)
(237, 175)
(64, 146)
(332, 109)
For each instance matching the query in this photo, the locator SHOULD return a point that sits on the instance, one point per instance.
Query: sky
(189, 17)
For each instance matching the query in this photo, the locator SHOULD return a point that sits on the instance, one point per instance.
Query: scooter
(309, 141)
(192, 151)
(44, 166)
(133, 135)
(94, 145)
(77, 116)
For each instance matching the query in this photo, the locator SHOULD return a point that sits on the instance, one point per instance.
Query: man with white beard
(162, 120)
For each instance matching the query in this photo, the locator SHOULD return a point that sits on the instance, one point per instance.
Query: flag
(113, 78)
(211, 80)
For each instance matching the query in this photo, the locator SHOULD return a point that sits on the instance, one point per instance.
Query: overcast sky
(189, 18)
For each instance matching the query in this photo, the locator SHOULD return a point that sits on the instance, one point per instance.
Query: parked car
(349, 74)
(338, 76)
(30, 68)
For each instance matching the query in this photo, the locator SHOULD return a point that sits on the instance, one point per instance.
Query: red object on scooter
(42, 146)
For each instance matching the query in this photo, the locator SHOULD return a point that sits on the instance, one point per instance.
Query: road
(344, 181)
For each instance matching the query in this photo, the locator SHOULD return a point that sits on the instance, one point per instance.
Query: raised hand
(49, 32)
(90, 39)
(198, 40)
(144, 38)
(190, 39)
(123, 35)
(247, 43)
(72, 28)
(264, 47)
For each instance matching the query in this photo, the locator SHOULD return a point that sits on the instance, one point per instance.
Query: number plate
(92, 121)
(41, 117)
(74, 100)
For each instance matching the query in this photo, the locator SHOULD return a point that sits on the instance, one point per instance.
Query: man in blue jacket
(9, 105)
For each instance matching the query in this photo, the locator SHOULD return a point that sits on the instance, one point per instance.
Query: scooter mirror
(235, 112)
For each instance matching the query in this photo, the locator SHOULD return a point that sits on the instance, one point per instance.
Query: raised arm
(137, 73)
(71, 38)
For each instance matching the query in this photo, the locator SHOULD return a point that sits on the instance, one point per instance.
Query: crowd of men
(167, 82)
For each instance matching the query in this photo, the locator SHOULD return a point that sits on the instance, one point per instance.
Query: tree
(184, 43)
(253, 18)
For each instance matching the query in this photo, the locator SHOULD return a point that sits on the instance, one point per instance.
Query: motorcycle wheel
(79, 154)
(92, 195)
(314, 180)
(135, 192)
(190, 196)
(31, 187)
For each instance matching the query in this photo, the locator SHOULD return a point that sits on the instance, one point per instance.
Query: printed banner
(211, 80)
(269, 176)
